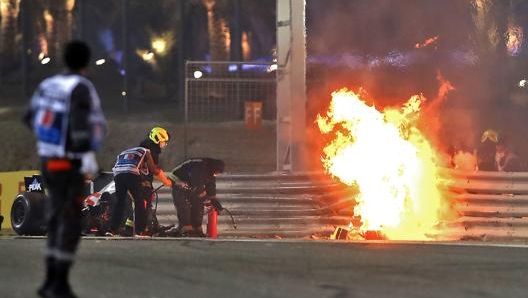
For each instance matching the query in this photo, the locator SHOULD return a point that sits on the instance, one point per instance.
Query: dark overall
(189, 207)
(124, 183)
(65, 185)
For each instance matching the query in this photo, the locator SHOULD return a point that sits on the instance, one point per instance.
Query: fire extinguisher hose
(232, 219)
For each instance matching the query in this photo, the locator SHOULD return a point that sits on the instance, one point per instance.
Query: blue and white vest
(51, 105)
(131, 161)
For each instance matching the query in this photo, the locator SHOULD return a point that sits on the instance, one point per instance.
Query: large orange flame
(389, 159)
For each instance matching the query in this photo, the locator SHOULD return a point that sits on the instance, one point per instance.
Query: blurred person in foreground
(66, 117)
(199, 178)
(134, 172)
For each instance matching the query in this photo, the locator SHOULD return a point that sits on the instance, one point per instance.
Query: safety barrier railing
(490, 205)
(271, 205)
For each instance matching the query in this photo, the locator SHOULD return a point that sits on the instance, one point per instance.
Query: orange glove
(166, 181)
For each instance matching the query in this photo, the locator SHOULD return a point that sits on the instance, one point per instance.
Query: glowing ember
(391, 162)
(427, 42)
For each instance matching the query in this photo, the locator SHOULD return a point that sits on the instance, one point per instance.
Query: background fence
(239, 100)
(218, 91)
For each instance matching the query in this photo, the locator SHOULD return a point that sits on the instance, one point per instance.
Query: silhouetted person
(486, 151)
(66, 117)
(506, 160)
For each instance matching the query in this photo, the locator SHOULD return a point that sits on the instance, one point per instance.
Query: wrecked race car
(28, 208)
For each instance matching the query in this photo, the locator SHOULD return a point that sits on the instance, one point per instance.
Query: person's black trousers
(129, 183)
(65, 186)
(180, 198)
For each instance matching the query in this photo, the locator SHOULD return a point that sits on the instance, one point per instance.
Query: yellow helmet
(158, 134)
(491, 135)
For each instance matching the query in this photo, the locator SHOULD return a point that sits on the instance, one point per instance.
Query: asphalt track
(169, 268)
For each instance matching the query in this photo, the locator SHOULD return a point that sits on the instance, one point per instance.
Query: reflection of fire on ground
(392, 163)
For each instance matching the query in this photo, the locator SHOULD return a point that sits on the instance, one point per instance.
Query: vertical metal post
(235, 50)
(1, 60)
(26, 44)
(291, 86)
(183, 90)
(81, 18)
(124, 41)
(238, 84)
(236, 34)
(185, 109)
(298, 87)
(181, 55)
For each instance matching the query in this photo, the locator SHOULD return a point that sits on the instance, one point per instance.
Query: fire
(391, 162)
(427, 42)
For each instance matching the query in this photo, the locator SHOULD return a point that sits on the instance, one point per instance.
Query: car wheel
(27, 214)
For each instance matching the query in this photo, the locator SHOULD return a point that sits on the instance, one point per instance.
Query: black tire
(27, 214)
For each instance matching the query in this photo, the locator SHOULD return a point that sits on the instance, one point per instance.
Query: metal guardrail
(269, 205)
(490, 205)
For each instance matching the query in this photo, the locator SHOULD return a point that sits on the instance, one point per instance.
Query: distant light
(45, 60)
(232, 67)
(522, 83)
(100, 62)
(272, 68)
(198, 74)
(123, 93)
(70, 4)
(147, 56)
(159, 45)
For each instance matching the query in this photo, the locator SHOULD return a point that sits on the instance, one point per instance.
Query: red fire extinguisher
(212, 218)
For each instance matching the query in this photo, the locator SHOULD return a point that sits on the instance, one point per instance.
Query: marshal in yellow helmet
(158, 135)
(491, 135)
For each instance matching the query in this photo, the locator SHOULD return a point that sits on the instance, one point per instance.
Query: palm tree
(258, 24)
(8, 24)
(60, 13)
(218, 29)
(229, 20)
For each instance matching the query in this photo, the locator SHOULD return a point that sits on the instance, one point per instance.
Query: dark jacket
(199, 174)
(509, 163)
